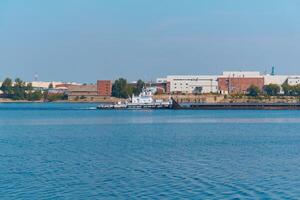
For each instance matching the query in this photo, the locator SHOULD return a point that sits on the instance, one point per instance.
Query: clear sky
(85, 40)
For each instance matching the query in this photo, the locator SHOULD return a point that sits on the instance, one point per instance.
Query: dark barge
(237, 106)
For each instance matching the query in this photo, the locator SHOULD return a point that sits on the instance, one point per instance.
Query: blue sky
(80, 40)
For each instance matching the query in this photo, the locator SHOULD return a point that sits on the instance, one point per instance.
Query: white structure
(144, 98)
(276, 79)
(241, 74)
(192, 84)
(143, 101)
(293, 80)
(153, 90)
(281, 79)
(42, 85)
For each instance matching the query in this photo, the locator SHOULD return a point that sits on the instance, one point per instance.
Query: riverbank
(98, 100)
(4, 100)
(218, 98)
(205, 98)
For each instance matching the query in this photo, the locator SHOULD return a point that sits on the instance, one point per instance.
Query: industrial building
(228, 82)
(281, 79)
(184, 84)
(275, 79)
(293, 80)
(82, 91)
(103, 88)
(241, 74)
(44, 85)
(239, 81)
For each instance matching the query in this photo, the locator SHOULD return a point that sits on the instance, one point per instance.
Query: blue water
(72, 151)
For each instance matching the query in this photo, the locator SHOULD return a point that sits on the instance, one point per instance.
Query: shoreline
(46, 102)
(188, 106)
(238, 106)
(196, 102)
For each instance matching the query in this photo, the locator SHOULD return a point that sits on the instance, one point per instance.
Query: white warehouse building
(192, 84)
(293, 80)
(241, 74)
(275, 79)
(281, 79)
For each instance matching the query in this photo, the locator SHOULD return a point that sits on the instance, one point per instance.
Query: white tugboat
(143, 101)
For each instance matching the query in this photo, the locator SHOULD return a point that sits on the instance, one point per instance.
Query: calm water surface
(72, 151)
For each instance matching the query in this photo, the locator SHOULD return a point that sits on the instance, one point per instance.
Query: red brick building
(234, 85)
(168, 87)
(87, 92)
(104, 88)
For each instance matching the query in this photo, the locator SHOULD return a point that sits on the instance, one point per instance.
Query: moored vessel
(143, 101)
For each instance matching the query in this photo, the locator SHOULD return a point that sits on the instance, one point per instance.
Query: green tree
(291, 90)
(130, 90)
(272, 89)
(120, 88)
(139, 87)
(29, 87)
(7, 88)
(253, 91)
(50, 86)
(45, 95)
(286, 89)
(19, 90)
(29, 90)
(297, 89)
(57, 97)
(35, 96)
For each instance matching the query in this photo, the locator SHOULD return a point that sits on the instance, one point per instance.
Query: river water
(73, 151)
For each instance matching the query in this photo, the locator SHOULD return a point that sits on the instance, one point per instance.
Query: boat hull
(132, 106)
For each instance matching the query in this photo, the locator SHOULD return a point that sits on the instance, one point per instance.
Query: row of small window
(181, 88)
(181, 84)
(191, 87)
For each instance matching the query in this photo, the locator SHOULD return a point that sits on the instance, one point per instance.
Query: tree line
(274, 90)
(20, 90)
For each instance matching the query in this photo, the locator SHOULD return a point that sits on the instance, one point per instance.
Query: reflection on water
(63, 151)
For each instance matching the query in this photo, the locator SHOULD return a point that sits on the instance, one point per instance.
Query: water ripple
(149, 155)
(144, 120)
